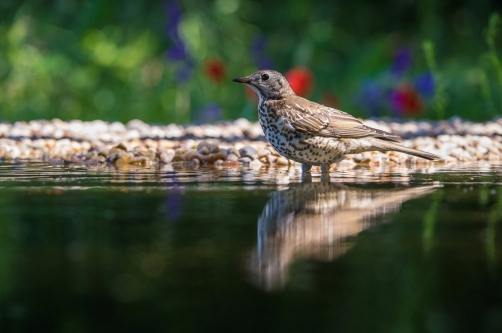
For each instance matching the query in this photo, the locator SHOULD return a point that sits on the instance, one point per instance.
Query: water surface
(179, 249)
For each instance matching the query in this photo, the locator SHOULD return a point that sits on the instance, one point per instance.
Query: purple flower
(173, 15)
(425, 84)
(177, 52)
(210, 113)
(264, 63)
(258, 45)
(402, 61)
(370, 98)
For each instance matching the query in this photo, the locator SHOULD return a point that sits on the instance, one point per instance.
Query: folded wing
(304, 116)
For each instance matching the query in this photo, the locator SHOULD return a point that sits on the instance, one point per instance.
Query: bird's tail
(388, 145)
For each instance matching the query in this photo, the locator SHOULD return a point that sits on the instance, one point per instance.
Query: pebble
(228, 143)
(248, 151)
(245, 160)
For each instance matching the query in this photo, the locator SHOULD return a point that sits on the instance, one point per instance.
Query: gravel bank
(229, 143)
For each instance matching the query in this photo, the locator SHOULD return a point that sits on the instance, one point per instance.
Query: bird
(313, 134)
(316, 220)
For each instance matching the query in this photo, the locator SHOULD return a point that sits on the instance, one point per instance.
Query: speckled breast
(299, 147)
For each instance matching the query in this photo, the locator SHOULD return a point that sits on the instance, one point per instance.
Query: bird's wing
(306, 122)
(316, 119)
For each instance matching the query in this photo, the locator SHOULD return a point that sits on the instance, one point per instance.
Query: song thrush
(311, 133)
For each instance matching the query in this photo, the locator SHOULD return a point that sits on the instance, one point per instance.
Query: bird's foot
(325, 167)
(306, 167)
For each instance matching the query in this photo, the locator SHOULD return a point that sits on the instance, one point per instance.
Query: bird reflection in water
(313, 220)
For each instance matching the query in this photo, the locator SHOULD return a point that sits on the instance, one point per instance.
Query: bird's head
(267, 84)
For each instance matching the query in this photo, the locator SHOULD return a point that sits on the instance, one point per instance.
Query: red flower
(215, 70)
(406, 100)
(301, 80)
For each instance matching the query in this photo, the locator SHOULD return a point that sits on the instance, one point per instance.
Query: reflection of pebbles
(312, 220)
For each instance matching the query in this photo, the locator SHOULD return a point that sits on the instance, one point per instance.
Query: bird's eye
(264, 77)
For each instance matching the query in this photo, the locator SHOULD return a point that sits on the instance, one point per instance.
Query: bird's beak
(242, 80)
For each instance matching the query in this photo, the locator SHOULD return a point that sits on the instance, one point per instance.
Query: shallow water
(250, 250)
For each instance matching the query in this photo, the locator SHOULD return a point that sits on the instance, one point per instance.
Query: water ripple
(40, 174)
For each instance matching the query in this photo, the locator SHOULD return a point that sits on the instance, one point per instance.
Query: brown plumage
(308, 117)
(311, 133)
(314, 220)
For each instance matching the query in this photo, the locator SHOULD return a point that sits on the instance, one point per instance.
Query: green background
(107, 60)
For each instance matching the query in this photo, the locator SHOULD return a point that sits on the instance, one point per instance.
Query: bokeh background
(173, 61)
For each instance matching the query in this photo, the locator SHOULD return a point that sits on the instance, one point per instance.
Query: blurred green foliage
(107, 59)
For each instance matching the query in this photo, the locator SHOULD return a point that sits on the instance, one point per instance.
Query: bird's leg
(306, 177)
(306, 167)
(325, 167)
(325, 178)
